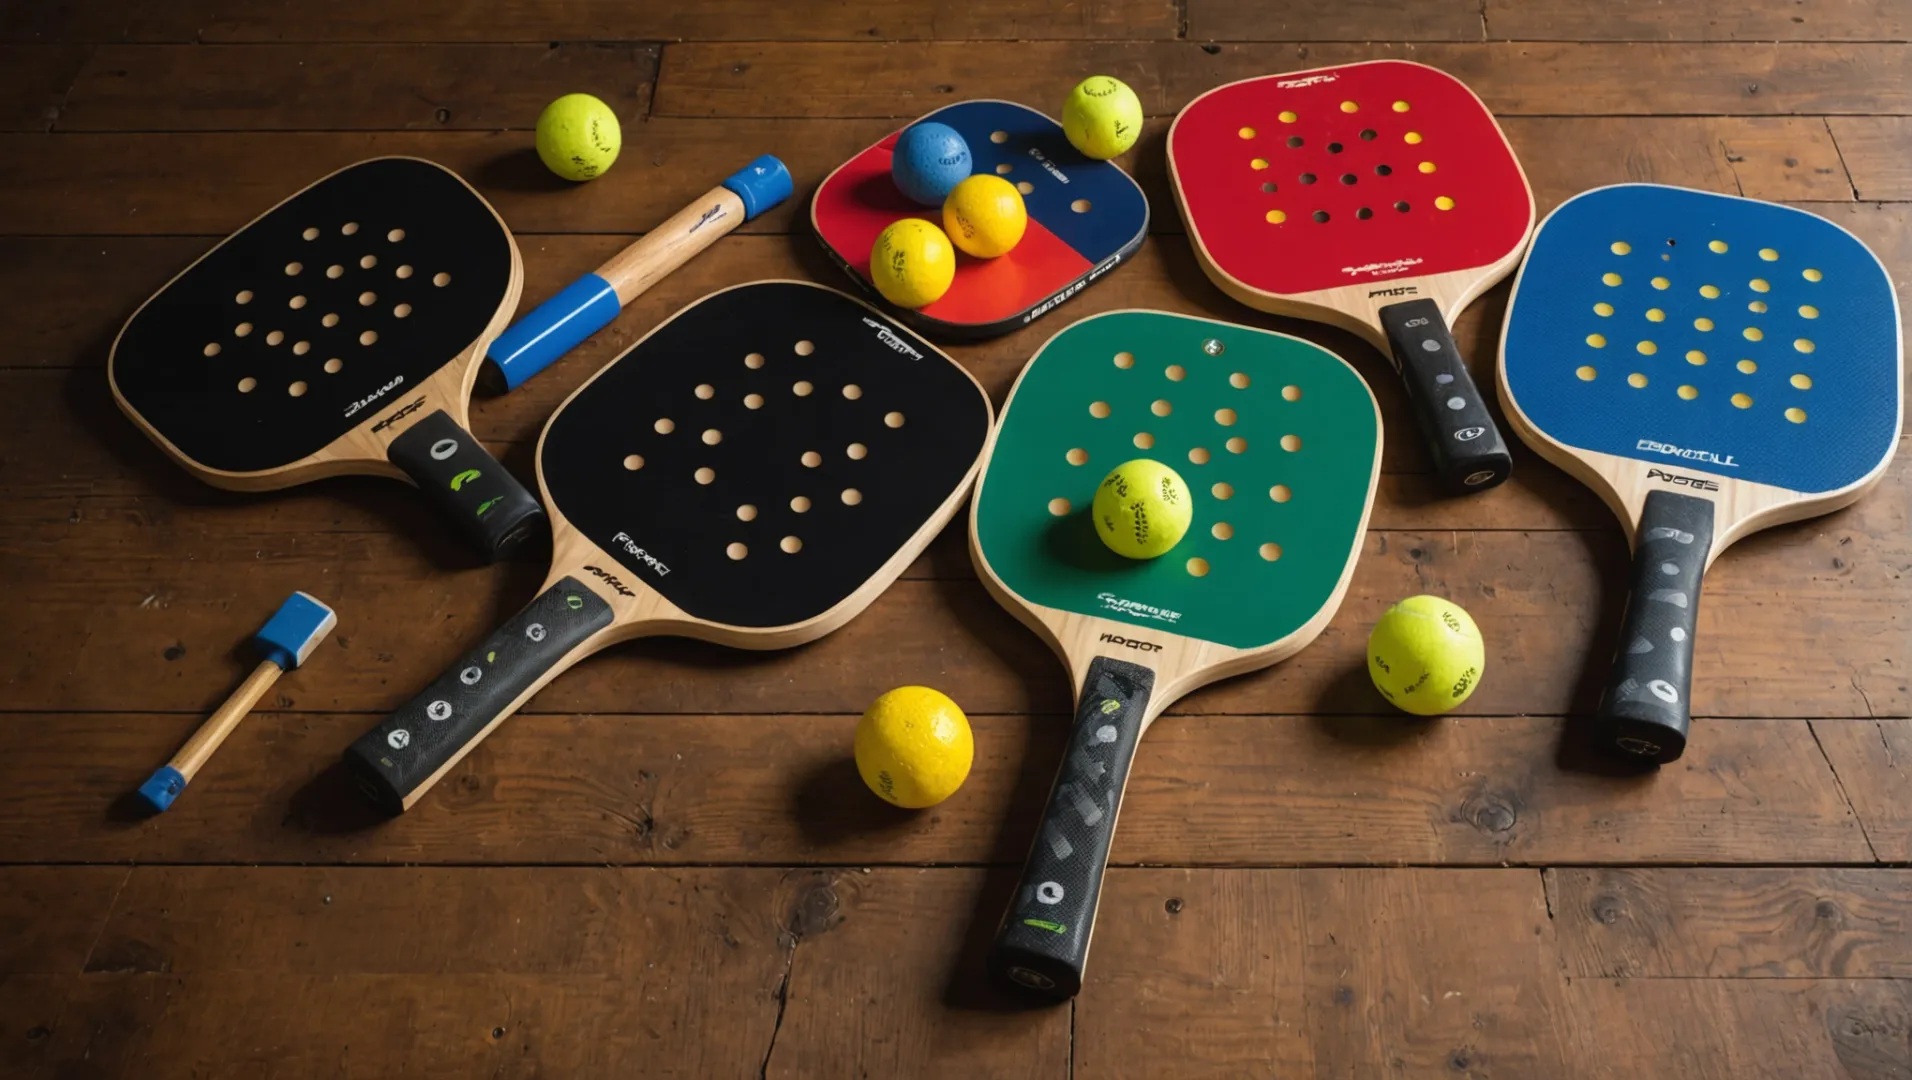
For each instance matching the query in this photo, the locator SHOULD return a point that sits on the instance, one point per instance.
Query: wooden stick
(224, 720)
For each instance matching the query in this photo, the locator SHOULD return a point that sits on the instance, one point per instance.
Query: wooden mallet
(283, 643)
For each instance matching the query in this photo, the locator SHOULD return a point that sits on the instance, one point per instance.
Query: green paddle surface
(1276, 437)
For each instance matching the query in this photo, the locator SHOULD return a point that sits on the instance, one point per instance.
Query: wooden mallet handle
(284, 642)
(588, 304)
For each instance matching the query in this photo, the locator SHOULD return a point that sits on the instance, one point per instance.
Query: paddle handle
(1645, 708)
(588, 304)
(1044, 940)
(170, 779)
(483, 502)
(1466, 446)
(400, 759)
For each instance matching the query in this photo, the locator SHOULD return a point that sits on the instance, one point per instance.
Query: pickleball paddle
(1085, 218)
(339, 332)
(1280, 442)
(1711, 366)
(753, 473)
(1379, 197)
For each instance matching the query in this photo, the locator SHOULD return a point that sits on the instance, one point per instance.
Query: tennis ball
(928, 161)
(914, 747)
(578, 137)
(1426, 655)
(985, 216)
(1142, 509)
(912, 263)
(1102, 117)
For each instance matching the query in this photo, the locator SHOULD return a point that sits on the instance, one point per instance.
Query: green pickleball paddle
(1279, 441)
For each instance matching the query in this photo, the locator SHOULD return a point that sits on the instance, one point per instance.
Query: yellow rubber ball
(578, 137)
(912, 263)
(1102, 117)
(1142, 509)
(914, 747)
(1426, 655)
(984, 215)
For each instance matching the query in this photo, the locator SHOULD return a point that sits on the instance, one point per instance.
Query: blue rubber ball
(928, 161)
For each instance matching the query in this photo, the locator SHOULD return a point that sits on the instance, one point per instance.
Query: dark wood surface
(666, 865)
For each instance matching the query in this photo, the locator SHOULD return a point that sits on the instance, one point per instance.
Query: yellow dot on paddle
(1807, 311)
(1400, 106)
(1757, 307)
(1586, 372)
(1768, 254)
(1796, 415)
(1695, 357)
(1746, 367)
(1412, 138)
(1702, 324)
(1646, 348)
(1603, 309)
(1742, 400)
(1636, 380)
(1802, 382)
(1812, 275)
(1804, 345)
(1620, 247)
(1426, 166)
(1349, 106)
(1276, 217)
(1753, 333)
(1258, 164)
(1711, 292)
(1288, 116)
(1610, 278)
(1688, 393)
(1717, 247)
(1246, 133)
(1660, 283)
(1655, 315)
(1598, 341)
(1760, 285)
(1442, 202)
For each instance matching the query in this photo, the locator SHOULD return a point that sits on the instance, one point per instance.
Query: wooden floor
(666, 865)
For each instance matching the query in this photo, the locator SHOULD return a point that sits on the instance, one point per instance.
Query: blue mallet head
(928, 160)
(286, 639)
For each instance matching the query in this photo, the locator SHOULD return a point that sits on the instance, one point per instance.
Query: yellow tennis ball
(1142, 509)
(914, 747)
(984, 216)
(1426, 655)
(578, 137)
(912, 263)
(1102, 117)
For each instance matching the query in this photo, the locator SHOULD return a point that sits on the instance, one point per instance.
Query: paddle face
(1279, 442)
(1276, 437)
(308, 323)
(1682, 330)
(1085, 217)
(768, 450)
(753, 472)
(1385, 171)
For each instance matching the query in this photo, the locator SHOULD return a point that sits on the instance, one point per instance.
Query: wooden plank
(152, 184)
(30, 1010)
(1334, 20)
(1321, 973)
(1651, 20)
(781, 790)
(1635, 922)
(702, 972)
(1758, 1029)
(34, 80)
(1544, 79)
(1873, 760)
(1878, 151)
(593, 20)
(64, 21)
(167, 614)
(349, 87)
(51, 915)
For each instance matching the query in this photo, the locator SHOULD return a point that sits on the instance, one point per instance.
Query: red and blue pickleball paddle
(1085, 217)
(1711, 366)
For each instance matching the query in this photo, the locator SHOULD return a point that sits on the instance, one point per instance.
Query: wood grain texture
(34, 82)
(1650, 20)
(1217, 790)
(50, 916)
(1873, 759)
(1703, 923)
(1334, 20)
(908, 79)
(348, 87)
(1874, 148)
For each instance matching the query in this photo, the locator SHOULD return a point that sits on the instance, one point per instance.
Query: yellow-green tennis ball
(912, 263)
(578, 137)
(1102, 117)
(1426, 655)
(1142, 509)
(914, 747)
(984, 216)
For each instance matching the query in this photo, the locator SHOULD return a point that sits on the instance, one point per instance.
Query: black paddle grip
(401, 758)
(1044, 940)
(459, 476)
(1645, 710)
(1468, 451)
